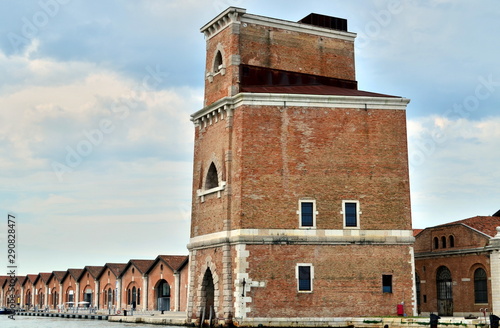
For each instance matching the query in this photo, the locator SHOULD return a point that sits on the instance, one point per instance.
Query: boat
(6, 311)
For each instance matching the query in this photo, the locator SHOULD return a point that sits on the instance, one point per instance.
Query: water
(42, 322)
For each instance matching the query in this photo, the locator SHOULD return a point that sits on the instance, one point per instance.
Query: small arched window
(436, 243)
(218, 62)
(443, 242)
(212, 180)
(452, 241)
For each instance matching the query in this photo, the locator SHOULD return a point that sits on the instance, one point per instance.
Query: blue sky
(95, 97)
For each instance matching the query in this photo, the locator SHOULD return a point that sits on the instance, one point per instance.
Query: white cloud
(454, 168)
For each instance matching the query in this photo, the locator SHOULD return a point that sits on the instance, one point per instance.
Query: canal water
(42, 322)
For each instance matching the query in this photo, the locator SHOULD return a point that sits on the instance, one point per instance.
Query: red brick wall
(154, 278)
(299, 52)
(283, 154)
(107, 281)
(347, 280)
(130, 278)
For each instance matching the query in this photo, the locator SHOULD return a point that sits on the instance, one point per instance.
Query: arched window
(436, 243)
(444, 284)
(452, 241)
(217, 62)
(480, 286)
(443, 242)
(212, 180)
(138, 296)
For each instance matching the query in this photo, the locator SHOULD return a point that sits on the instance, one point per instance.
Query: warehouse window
(436, 243)
(480, 287)
(350, 210)
(307, 213)
(304, 273)
(443, 242)
(387, 283)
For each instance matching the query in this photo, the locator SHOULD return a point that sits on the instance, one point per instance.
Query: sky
(96, 140)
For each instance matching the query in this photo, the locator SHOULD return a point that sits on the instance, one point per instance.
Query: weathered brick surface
(348, 280)
(299, 52)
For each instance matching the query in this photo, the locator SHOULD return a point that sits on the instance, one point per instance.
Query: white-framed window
(304, 273)
(307, 213)
(351, 212)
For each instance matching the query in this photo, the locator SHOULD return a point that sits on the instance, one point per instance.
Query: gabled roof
(44, 276)
(116, 269)
(93, 270)
(31, 278)
(141, 265)
(485, 224)
(497, 213)
(75, 273)
(175, 262)
(59, 275)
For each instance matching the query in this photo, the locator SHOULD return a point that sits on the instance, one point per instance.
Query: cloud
(454, 168)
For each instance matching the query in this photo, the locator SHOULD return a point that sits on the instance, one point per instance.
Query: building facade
(301, 206)
(458, 267)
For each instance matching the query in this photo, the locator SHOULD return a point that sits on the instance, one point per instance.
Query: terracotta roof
(75, 273)
(31, 278)
(417, 231)
(312, 90)
(58, 275)
(174, 261)
(44, 276)
(142, 265)
(93, 270)
(116, 268)
(484, 224)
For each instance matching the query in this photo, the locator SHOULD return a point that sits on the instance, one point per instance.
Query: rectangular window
(387, 283)
(304, 274)
(350, 209)
(307, 213)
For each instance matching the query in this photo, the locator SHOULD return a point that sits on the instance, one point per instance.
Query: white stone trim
(297, 27)
(228, 104)
(358, 213)
(299, 213)
(202, 193)
(310, 265)
(303, 236)
(229, 16)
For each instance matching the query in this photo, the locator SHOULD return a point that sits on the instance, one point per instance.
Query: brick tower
(301, 203)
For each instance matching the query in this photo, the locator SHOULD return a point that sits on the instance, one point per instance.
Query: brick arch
(473, 269)
(201, 292)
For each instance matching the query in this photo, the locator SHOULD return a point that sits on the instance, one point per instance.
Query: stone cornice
(227, 104)
(297, 27)
(227, 17)
(235, 15)
(303, 237)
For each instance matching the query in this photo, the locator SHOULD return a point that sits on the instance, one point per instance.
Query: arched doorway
(55, 299)
(27, 299)
(163, 295)
(444, 291)
(207, 292)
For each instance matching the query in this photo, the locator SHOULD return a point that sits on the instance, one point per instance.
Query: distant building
(458, 267)
(301, 201)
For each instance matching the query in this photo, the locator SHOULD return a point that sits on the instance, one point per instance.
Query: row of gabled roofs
(175, 262)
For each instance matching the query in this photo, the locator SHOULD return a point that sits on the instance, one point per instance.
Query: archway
(208, 292)
(163, 295)
(444, 291)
